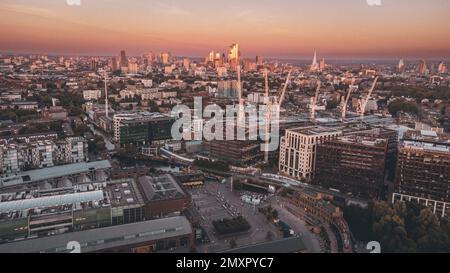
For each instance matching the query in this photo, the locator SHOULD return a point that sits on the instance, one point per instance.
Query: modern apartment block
(141, 128)
(16, 157)
(228, 89)
(298, 150)
(353, 164)
(423, 171)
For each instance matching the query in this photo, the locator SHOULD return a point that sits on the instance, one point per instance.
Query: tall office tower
(315, 64)
(123, 61)
(233, 56)
(353, 164)
(401, 66)
(322, 65)
(218, 60)
(113, 64)
(210, 57)
(423, 171)
(422, 68)
(165, 57)
(186, 63)
(298, 150)
(442, 68)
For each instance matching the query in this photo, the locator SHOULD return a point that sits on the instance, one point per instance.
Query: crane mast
(283, 92)
(344, 106)
(314, 103)
(106, 96)
(241, 114)
(268, 116)
(363, 104)
(269, 110)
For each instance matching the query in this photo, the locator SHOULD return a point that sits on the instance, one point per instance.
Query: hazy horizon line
(272, 58)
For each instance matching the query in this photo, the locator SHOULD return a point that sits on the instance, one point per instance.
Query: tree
(402, 227)
(403, 106)
(153, 106)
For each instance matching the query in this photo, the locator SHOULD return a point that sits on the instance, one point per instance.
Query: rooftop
(163, 187)
(50, 201)
(426, 146)
(116, 193)
(52, 172)
(123, 192)
(102, 239)
(140, 116)
(314, 130)
(361, 140)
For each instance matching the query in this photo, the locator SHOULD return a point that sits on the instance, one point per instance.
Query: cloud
(172, 9)
(27, 10)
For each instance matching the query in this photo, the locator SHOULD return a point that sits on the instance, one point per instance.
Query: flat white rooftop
(52, 172)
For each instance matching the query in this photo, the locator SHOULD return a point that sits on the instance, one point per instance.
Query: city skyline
(286, 29)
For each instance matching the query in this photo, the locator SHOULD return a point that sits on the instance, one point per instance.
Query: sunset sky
(271, 28)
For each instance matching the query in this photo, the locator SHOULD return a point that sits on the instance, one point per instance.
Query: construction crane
(106, 95)
(345, 103)
(269, 105)
(268, 115)
(283, 92)
(314, 102)
(362, 105)
(266, 79)
(241, 114)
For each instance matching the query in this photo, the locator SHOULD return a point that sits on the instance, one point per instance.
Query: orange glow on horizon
(191, 30)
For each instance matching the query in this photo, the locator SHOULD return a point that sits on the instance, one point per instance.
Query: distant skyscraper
(210, 58)
(401, 66)
(218, 60)
(123, 61)
(165, 57)
(322, 65)
(422, 68)
(315, 64)
(442, 68)
(186, 63)
(233, 55)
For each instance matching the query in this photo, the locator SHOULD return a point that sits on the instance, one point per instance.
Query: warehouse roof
(102, 239)
(53, 172)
